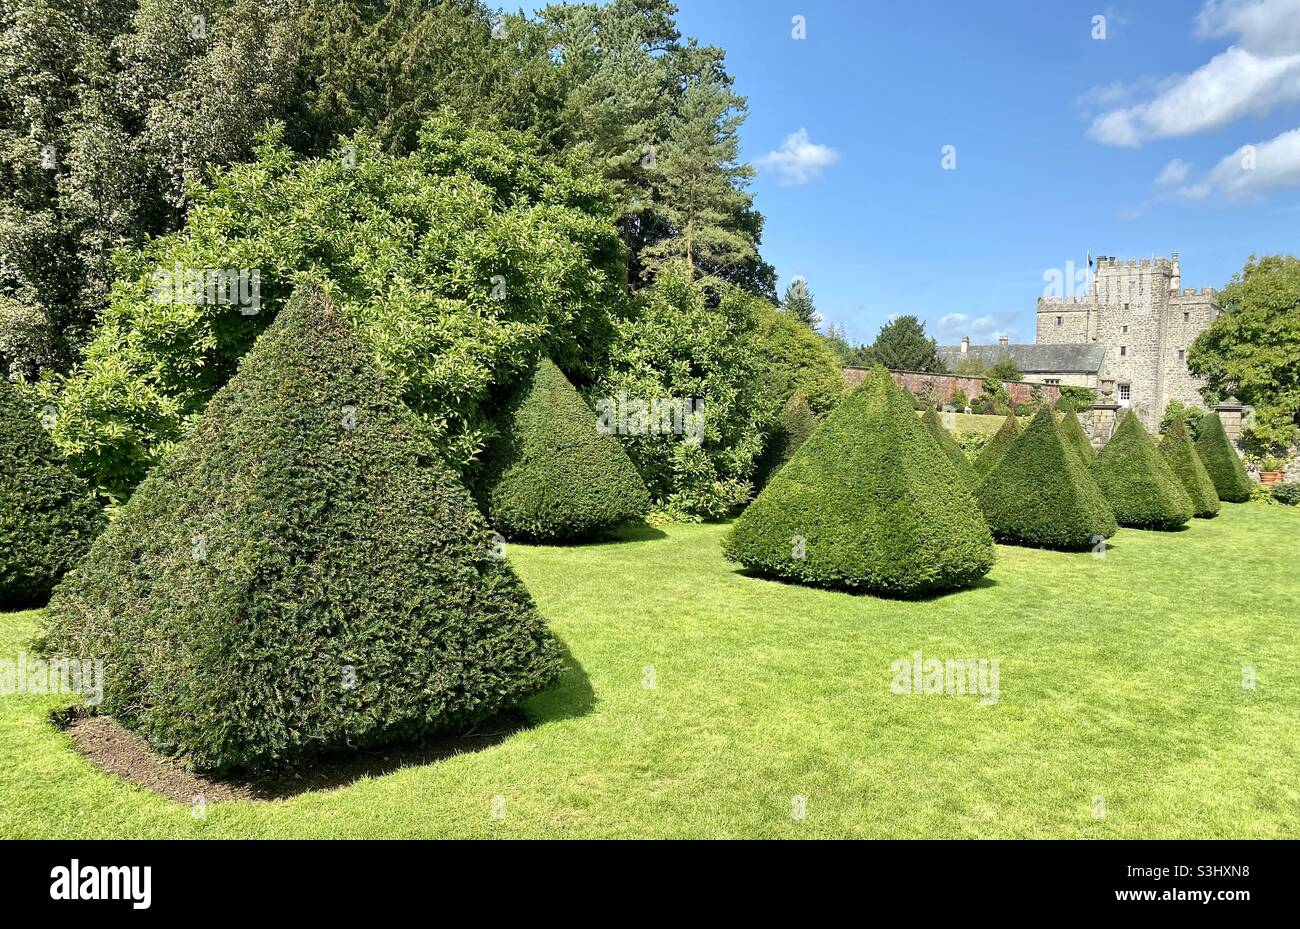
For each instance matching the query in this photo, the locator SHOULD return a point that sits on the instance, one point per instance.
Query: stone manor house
(1126, 338)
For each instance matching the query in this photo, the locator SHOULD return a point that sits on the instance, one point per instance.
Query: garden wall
(942, 387)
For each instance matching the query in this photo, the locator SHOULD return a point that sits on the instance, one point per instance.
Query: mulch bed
(121, 752)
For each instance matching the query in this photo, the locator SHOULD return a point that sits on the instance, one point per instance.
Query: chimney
(1002, 341)
(965, 344)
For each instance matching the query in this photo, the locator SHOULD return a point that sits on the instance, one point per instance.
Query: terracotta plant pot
(1271, 477)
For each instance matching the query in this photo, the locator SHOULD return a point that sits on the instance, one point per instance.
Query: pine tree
(299, 575)
(1137, 482)
(555, 476)
(1181, 455)
(798, 303)
(902, 345)
(47, 518)
(868, 502)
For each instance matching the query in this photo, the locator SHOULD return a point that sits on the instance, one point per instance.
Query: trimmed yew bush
(997, 446)
(1221, 461)
(868, 502)
(1137, 482)
(554, 476)
(950, 448)
(47, 518)
(1074, 436)
(299, 574)
(1180, 455)
(1039, 493)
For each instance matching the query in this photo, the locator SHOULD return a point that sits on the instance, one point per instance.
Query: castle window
(1059, 319)
(1187, 317)
(1123, 350)
(1181, 354)
(1126, 328)
(1051, 380)
(1126, 307)
(1125, 392)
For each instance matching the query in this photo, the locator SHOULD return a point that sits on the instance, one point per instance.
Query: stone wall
(940, 388)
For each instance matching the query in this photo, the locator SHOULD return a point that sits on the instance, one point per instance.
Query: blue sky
(1126, 146)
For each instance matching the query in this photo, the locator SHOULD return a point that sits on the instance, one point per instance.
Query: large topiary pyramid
(950, 447)
(1074, 436)
(869, 502)
(1137, 482)
(553, 476)
(47, 519)
(1221, 461)
(1180, 455)
(796, 422)
(997, 446)
(299, 575)
(1040, 494)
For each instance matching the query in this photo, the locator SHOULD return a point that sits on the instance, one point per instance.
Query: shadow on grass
(983, 583)
(114, 749)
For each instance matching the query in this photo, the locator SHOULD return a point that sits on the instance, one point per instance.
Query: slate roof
(1033, 358)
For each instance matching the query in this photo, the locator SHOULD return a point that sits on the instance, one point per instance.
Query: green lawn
(1119, 677)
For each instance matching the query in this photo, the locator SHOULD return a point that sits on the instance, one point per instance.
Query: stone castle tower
(1146, 321)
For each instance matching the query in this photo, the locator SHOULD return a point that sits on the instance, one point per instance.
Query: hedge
(1040, 495)
(1002, 440)
(554, 476)
(950, 448)
(869, 502)
(796, 422)
(298, 575)
(1137, 482)
(1180, 455)
(1074, 436)
(47, 518)
(1221, 461)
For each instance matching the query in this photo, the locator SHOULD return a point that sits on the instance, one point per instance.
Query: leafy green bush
(1137, 482)
(1288, 494)
(997, 446)
(869, 502)
(1075, 398)
(1190, 417)
(972, 442)
(1040, 494)
(679, 345)
(458, 264)
(47, 518)
(1181, 456)
(950, 448)
(299, 574)
(791, 358)
(554, 475)
(1074, 436)
(796, 422)
(1222, 462)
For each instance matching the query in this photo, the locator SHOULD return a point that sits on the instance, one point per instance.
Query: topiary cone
(298, 575)
(950, 447)
(1074, 436)
(997, 446)
(47, 519)
(1180, 455)
(868, 502)
(553, 476)
(1137, 482)
(1039, 494)
(1221, 461)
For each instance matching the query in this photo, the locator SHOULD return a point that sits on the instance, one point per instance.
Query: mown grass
(1120, 678)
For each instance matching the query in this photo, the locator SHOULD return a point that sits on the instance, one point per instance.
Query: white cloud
(1251, 170)
(1174, 173)
(1252, 77)
(799, 159)
(981, 329)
